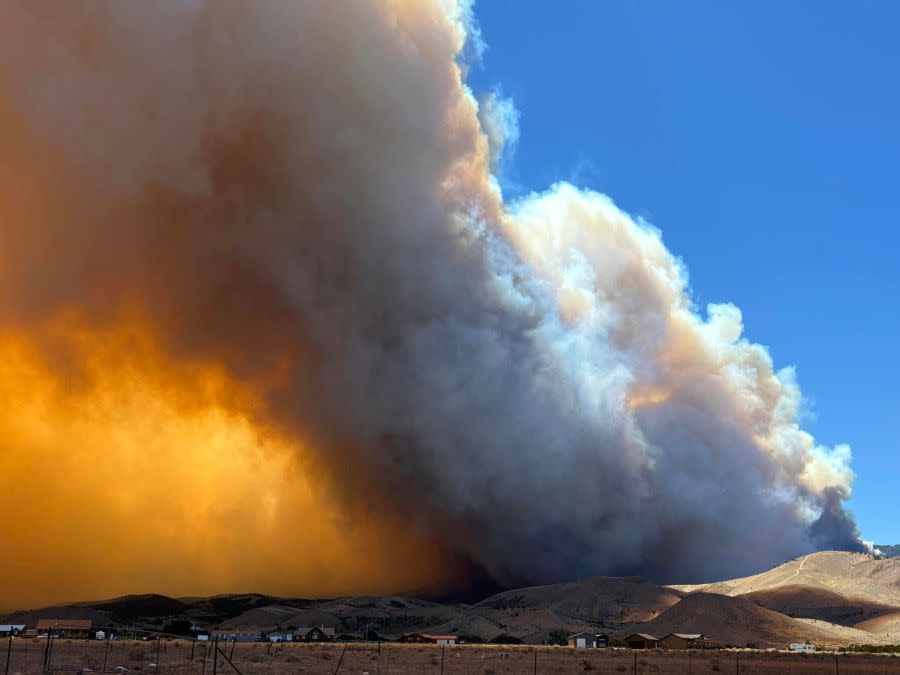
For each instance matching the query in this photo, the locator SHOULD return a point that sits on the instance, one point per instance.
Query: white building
(802, 647)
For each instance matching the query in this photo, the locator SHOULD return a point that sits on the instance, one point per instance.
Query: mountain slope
(889, 550)
(737, 621)
(597, 599)
(852, 575)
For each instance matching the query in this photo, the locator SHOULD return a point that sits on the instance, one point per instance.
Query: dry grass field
(360, 658)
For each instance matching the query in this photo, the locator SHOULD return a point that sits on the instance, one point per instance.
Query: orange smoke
(136, 474)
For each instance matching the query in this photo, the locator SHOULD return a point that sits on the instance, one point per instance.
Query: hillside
(851, 575)
(739, 622)
(828, 597)
(527, 613)
(599, 600)
(889, 550)
(810, 602)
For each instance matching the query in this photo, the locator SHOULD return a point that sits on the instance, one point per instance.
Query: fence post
(535, 661)
(635, 662)
(340, 660)
(442, 660)
(106, 654)
(9, 650)
(216, 656)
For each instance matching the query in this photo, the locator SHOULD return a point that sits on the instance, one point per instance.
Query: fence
(159, 653)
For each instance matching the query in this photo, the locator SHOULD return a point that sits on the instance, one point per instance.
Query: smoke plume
(265, 312)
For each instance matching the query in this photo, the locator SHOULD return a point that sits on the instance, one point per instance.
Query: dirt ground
(174, 656)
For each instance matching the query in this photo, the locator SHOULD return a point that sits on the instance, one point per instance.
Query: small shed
(642, 641)
(589, 640)
(279, 636)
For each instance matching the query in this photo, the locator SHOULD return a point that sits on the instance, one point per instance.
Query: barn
(65, 628)
(642, 641)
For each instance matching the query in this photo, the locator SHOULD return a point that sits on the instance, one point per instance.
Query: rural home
(237, 634)
(642, 641)
(687, 641)
(314, 634)
(65, 628)
(802, 647)
(428, 638)
(7, 629)
(589, 640)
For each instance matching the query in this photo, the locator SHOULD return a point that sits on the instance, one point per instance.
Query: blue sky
(763, 139)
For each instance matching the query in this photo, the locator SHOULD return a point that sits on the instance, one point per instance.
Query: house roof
(576, 635)
(7, 627)
(643, 636)
(305, 629)
(686, 636)
(439, 637)
(64, 624)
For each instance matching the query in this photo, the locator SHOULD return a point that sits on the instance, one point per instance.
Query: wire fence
(154, 652)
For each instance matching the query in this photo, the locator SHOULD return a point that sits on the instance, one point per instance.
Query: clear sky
(763, 139)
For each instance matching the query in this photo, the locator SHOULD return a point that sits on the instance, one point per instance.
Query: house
(65, 628)
(277, 636)
(802, 647)
(688, 641)
(7, 629)
(589, 640)
(429, 638)
(642, 641)
(314, 634)
(246, 634)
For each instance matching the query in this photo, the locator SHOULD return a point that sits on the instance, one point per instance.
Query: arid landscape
(831, 599)
(174, 656)
(448, 336)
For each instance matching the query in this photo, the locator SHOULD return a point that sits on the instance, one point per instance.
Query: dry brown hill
(739, 622)
(811, 602)
(599, 599)
(852, 575)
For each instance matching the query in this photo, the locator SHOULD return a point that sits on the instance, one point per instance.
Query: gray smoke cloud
(304, 189)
